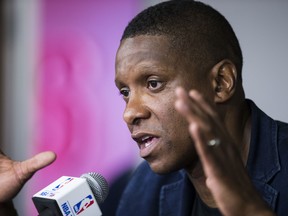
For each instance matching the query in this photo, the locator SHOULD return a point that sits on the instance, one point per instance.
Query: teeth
(145, 138)
(147, 145)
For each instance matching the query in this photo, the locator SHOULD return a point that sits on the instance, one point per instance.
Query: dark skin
(14, 174)
(172, 121)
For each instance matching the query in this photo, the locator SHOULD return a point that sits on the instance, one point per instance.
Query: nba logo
(83, 204)
(62, 184)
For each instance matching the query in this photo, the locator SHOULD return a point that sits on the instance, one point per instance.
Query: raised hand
(220, 157)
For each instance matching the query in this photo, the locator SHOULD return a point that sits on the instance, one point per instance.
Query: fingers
(204, 125)
(191, 109)
(198, 140)
(197, 110)
(194, 94)
(40, 160)
(223, 167)
(14, 173)
(27, 168)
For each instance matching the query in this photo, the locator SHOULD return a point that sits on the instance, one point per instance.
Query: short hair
(197, 31)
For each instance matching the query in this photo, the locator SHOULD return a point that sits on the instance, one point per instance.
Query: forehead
(144, 52)
(147, 46)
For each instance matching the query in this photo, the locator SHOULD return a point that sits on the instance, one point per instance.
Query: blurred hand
(226, 176)
(14, 174)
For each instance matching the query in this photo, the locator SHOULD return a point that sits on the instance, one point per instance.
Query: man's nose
(135, 110)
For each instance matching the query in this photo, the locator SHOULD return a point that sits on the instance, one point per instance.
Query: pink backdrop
(79, 109)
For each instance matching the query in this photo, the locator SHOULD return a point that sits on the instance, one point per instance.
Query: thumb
(37, 162)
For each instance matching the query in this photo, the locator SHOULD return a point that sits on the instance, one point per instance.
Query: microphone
(72, 196)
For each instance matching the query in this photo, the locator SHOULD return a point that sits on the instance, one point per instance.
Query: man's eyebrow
(118, 83)
(146, 68)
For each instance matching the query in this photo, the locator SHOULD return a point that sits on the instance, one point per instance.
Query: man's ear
(224, 78)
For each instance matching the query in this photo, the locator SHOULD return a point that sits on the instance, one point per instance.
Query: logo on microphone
(66, 209)
(83, 204)
(62, 184)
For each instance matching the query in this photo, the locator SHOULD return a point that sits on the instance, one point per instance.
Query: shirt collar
(263, 160)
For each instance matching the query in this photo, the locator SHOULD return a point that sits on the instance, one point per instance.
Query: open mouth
(145, 141)
(148, 143)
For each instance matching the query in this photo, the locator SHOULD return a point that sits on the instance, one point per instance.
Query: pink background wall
(79, 108)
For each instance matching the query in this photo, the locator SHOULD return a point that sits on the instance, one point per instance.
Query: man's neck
(198, 180)
(238, 124)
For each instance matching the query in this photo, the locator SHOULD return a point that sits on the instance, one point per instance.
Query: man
(189, 47)
(208, 150)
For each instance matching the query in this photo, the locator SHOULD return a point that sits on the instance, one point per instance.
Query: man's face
(147, 74)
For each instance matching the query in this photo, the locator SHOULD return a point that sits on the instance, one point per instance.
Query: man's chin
(160, 169)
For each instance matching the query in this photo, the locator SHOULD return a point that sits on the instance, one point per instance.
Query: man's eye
(124, 92)
(154, 84)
